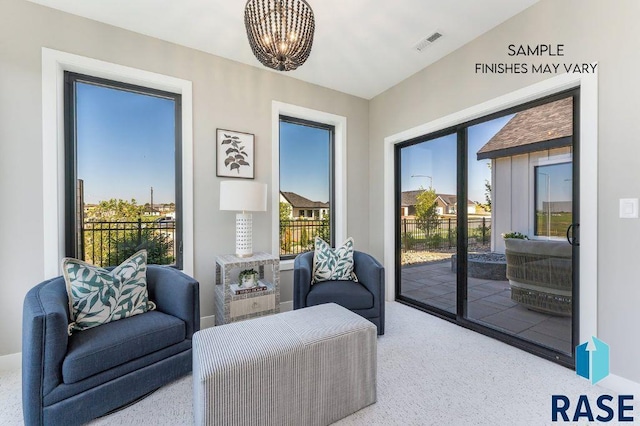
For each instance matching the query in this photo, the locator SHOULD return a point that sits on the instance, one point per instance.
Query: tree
(115, 230)
(325, 228)
(285, 232)
(426, 212)
(304, 239)
(157, 244)
(116, 210)
(487, 193)
(285, 212)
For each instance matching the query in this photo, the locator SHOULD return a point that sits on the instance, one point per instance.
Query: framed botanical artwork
(234, 154)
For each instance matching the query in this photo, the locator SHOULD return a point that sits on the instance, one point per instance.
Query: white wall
(226, 94)
(592, 31)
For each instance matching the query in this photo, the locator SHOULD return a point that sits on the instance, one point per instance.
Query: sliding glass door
(487, 225)
(428, 222)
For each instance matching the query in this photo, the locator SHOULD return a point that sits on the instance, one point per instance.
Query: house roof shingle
(300, 202)
(542, 127)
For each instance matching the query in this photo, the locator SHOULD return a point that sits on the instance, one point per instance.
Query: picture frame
(235, 155)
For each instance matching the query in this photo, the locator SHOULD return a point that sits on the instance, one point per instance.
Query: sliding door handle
(571, 236)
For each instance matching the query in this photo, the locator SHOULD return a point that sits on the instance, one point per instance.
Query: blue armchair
(365, 297)
(69, 380)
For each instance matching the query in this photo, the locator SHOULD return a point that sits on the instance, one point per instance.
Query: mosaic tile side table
(231, 307)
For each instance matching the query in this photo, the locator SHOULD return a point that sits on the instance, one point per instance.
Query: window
(306, 178)
(553, 199)
(123, 171)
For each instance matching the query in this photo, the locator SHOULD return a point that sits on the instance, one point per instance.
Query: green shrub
(408, 240)
(516, 235)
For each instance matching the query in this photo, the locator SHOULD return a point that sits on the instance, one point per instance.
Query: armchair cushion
(365, 297)
(100, 348)
(349, 294)
(98, 296)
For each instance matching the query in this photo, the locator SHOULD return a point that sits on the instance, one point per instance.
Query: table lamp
(245, 197)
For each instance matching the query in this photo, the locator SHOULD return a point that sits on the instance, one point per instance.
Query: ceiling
(361, 47)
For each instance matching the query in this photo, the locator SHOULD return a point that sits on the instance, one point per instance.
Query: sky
(437, 158)
(304, 161)
(125, 145)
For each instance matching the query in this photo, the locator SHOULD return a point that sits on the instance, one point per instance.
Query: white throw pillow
(98, 296)
(333, 264)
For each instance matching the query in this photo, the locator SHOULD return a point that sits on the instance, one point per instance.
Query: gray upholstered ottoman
(311, 366)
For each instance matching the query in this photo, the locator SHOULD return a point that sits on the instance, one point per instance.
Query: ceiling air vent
(427, 41)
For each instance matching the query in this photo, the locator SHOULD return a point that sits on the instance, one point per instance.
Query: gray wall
(226, 94)
(591, 30)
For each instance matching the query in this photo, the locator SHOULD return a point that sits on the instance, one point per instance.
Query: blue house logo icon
(592, 360)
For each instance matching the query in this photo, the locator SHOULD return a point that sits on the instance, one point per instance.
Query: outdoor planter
(540, 274)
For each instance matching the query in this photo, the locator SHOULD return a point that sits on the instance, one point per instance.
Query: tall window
(123, 171)
(306, 185)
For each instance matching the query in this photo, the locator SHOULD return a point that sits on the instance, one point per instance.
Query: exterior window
(123, 172)
(553, 199)
(306, 184)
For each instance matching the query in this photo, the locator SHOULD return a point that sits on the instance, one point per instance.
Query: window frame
(54, 63)
(550, 161)
(340, 169)
(71, 159)
(309, 214)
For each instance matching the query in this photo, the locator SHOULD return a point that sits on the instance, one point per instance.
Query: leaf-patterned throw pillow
(98, 296)
(333, 264)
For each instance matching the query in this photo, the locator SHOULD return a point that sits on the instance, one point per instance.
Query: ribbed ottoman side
(307, 367)
(245, 373)
(341, 354)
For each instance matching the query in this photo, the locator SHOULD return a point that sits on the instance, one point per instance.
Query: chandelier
(280, 32)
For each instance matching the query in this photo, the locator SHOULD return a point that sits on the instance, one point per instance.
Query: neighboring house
(303, 208)
(526, 156)
(446, 204)
(150, 211)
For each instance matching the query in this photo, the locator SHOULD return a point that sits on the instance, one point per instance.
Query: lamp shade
(243, 196)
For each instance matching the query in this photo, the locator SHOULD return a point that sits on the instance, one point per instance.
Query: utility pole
(152, 200)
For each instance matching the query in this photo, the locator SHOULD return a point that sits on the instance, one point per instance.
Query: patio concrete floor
(489, 302)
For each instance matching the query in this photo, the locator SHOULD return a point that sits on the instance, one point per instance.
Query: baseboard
(620, 385)
(207, 322)
(286, 306)
(11, 362)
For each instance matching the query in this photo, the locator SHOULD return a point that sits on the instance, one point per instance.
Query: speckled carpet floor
(430, 372)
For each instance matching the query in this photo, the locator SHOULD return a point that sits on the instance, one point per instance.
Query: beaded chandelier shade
(280, 32)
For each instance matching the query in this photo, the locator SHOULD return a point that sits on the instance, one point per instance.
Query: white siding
(501, 202)
(512, 194)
